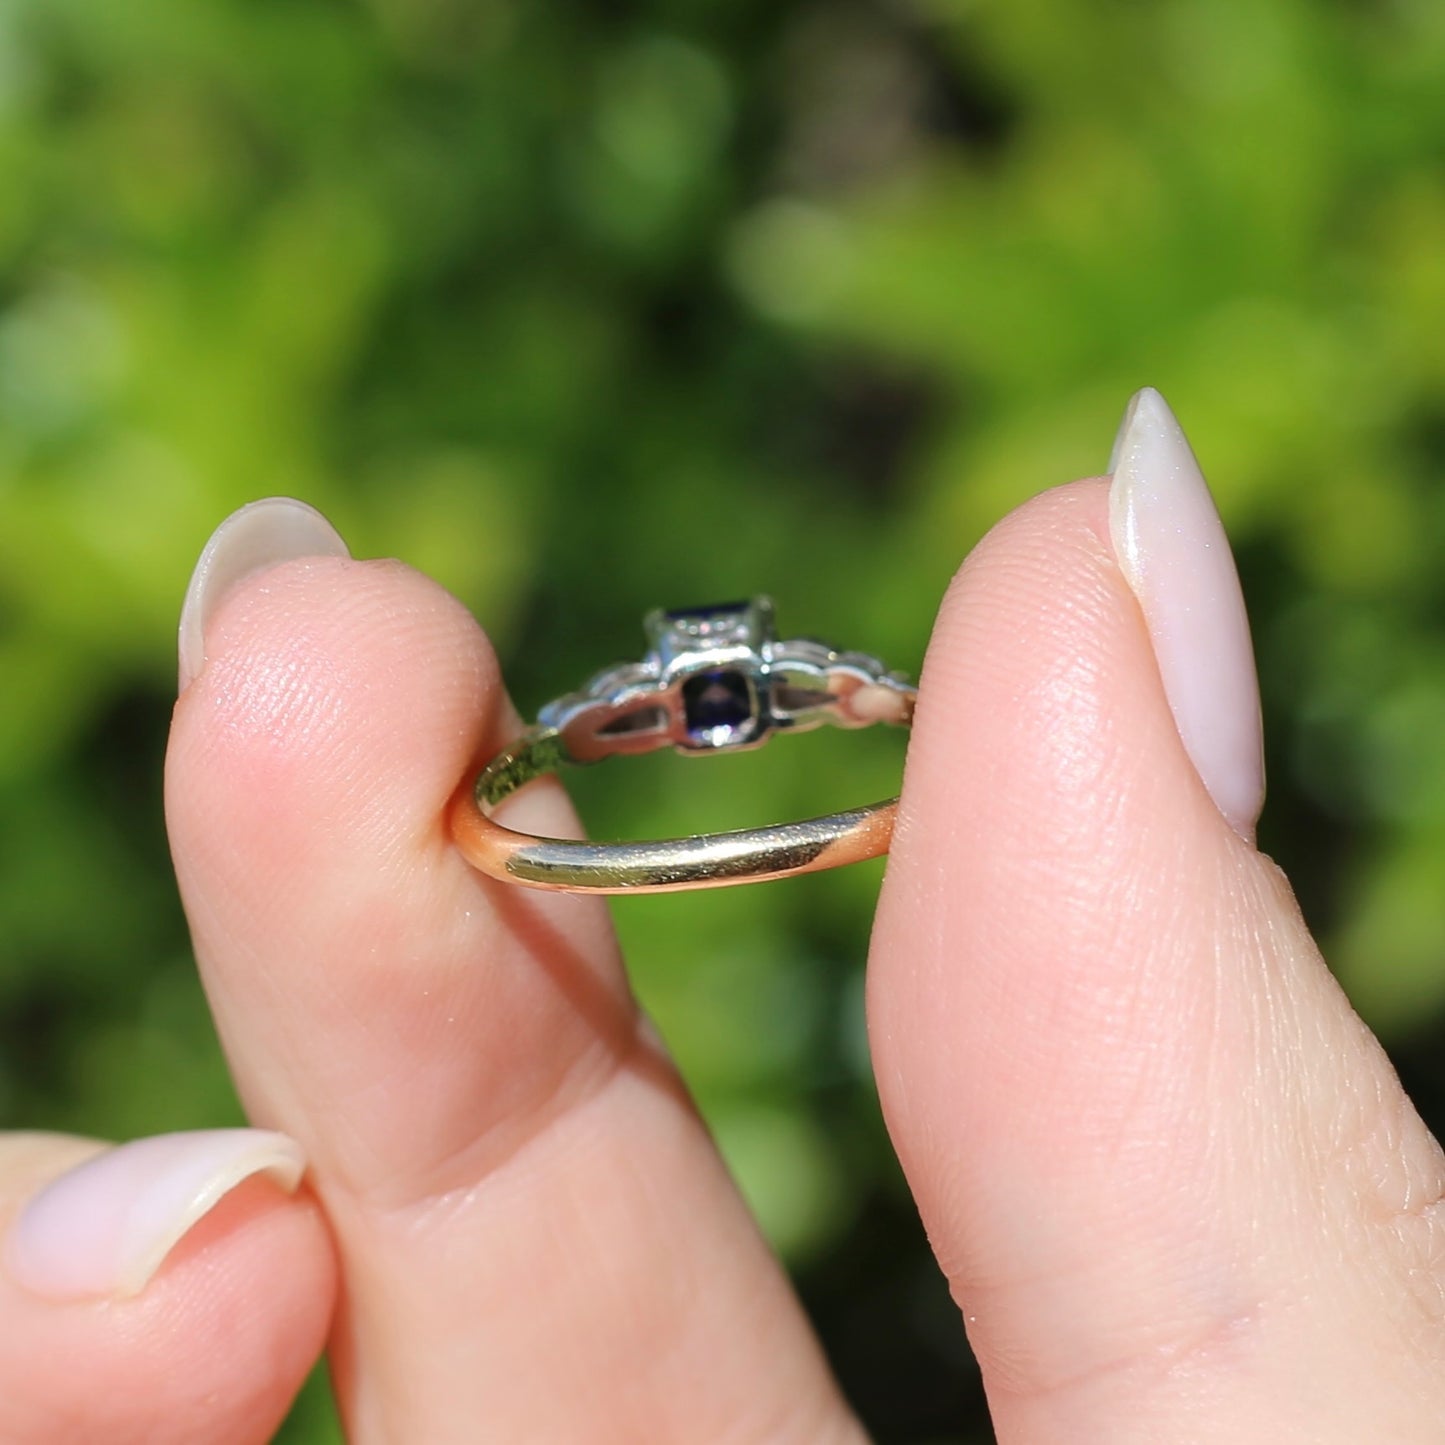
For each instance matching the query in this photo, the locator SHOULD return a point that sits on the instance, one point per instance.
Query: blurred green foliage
(588, 308)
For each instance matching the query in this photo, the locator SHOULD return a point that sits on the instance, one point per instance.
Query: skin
(1173, 1182)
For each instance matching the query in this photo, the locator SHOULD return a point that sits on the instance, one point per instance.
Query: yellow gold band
(708, 860)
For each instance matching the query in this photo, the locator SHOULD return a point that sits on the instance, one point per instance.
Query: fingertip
(1041, 727)
(103, 1227)
(1174, 551)
(337, 684)
(1040, 746)
(211, 1351)
(1032, 989)
(347, 947)
(260, 535)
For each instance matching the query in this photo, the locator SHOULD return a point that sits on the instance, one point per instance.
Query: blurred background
(590, 308)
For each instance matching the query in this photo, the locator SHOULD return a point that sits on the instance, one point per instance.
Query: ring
(714, 680)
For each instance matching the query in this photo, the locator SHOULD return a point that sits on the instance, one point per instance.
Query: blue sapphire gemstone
(717, 706)
(715, 609)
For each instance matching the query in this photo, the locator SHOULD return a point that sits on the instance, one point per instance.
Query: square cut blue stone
(715, 609)
(717, 706)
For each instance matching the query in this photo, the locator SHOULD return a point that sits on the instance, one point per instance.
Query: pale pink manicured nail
(1172, 548)
(104, 1227)
(261, 534)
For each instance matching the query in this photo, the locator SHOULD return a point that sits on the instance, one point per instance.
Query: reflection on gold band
(709, 860)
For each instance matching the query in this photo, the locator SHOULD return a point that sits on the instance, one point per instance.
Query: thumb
(1173, 1182)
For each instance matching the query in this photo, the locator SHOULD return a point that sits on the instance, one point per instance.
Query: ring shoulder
(813, 684)
(621, 709)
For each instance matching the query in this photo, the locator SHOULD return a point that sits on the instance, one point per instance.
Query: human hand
(1174, 1184)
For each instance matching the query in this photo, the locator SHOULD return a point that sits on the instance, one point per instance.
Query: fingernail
(261, 534)
(104, 1227)
(1173, 551)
